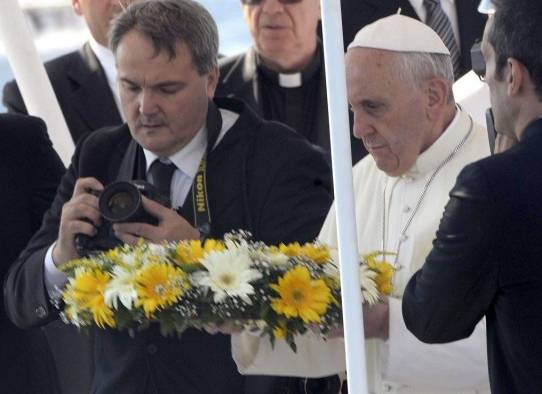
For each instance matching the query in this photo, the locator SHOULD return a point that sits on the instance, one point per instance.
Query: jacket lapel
(92, 97)
(133, 165)
(244, 85)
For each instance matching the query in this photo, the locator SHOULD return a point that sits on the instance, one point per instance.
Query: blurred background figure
(26, 364)
(457, 18)
(84, 80)
(282, 76)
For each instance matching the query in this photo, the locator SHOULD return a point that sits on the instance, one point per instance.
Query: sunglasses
(258, 2)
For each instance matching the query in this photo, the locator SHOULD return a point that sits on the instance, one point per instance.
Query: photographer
(485, 259)
(258, 176)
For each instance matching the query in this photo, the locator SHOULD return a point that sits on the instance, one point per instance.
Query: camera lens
(120, 203)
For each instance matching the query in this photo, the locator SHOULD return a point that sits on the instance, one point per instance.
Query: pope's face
(280, 30)
(389, 114)
(98, 15)
(164, 100)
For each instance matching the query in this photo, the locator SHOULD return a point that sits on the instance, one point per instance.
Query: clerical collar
(449, 139)
(293, 80)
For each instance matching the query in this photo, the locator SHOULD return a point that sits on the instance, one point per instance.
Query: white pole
(31, 77)
(344, 196)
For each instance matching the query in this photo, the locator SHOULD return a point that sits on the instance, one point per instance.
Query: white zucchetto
(399, 33)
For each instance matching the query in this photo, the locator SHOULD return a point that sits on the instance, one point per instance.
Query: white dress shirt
(402, 364)
(187, 161)
(448, 6)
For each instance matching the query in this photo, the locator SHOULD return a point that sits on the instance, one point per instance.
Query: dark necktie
(440, 23)
(161, 174)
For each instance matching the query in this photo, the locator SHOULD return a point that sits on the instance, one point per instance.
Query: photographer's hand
(80, 215)
(171, 226)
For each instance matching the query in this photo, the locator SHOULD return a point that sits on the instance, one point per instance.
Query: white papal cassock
(402, 364)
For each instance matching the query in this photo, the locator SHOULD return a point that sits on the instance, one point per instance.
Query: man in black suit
(486, 257)
(463, 13)
(84, 81)
(282, 76)
(30, 172)
(261, 176)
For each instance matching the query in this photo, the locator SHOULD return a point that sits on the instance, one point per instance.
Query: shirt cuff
(54, 279)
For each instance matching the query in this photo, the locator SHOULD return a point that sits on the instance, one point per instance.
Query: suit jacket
(87, 103)
(486, 261)
(81, 87)
(358, 13)
(239, 78)
(262, 177)
(26, 366)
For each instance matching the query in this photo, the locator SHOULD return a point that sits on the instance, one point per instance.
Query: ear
(516, 76)
(76, 4)
(212, 81)
(437, 93)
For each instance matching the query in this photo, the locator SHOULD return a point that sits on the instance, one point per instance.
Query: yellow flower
(384, 271)
(279, 331)
(158, 286)
(300, 296)
(190, 252)
(317, 253)
(86, 292)
(290, 250)
(79, 263)
(114, 255)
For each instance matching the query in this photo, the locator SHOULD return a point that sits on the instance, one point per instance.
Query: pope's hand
(226, 328)
(376, 320)
(171, 226)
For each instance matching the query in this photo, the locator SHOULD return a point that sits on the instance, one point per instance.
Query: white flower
(158, 250)
(369, 290)
(122, 288)
(229, 275)
(129, 259)
(273, 258)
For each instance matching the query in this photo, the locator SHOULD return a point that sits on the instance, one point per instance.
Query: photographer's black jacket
(262, 177)
(485, 261)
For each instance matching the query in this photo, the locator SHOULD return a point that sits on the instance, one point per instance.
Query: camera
(119, 202)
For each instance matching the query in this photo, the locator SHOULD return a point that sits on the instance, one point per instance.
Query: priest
(399, 77)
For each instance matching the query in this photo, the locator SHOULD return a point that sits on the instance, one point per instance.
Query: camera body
(119, 202)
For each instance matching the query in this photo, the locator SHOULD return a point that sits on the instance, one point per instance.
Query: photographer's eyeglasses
(258, 2)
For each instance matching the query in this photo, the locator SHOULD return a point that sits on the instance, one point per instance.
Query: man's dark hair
(517, 32)
(168, 22)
